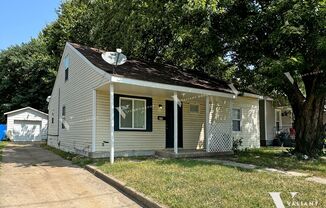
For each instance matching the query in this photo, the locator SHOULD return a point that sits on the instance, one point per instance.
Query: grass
(76, 159)
(276, 157)
(189, 183)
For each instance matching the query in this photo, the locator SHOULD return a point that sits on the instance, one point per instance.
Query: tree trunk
(310, 130)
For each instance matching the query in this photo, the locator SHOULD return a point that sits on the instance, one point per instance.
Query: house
(27, 124)
(99, 110)
(275, 119)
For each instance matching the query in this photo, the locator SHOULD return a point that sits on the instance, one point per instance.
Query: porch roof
(153, 72)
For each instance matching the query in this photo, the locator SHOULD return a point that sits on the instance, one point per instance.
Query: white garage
(27, 124)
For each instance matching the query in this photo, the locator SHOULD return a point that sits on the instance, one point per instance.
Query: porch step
(190, 153)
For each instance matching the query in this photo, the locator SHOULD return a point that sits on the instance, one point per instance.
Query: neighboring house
(138, 108)
(274, 119)
(27, 124)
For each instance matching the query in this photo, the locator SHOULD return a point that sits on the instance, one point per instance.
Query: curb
(138, 197)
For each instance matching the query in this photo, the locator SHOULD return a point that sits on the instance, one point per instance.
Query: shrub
(237, 143)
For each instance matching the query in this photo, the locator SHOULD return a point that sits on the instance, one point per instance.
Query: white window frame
(194, 111)
(237, 119)
(280, 121)
(66, 62)
(133, 113)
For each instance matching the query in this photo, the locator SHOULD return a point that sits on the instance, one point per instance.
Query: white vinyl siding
(193, 125)
(236, 119)
(249, 122)
(270, 121)
(76, 95)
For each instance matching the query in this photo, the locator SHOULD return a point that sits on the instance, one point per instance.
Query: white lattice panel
(219, 137)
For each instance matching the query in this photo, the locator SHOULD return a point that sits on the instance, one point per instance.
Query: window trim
(133, 113)
(193, 112)
(240, 111)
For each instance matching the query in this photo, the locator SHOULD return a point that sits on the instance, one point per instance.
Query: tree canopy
(27, 75)
(276, 47)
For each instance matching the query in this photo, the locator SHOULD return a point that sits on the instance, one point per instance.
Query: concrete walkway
(31, 176)
(307, 176)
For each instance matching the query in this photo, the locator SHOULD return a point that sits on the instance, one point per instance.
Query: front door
(169, 115)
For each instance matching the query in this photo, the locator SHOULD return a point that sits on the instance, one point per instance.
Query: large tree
(255, 42)
(27, 76)
(280, 47)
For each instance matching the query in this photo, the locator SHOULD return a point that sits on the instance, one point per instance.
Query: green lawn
(189, 183)
(2, 145)
(275, 157)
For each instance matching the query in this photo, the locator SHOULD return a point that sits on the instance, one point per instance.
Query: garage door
(27, 130)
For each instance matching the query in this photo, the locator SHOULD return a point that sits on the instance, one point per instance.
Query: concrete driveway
(31, 176)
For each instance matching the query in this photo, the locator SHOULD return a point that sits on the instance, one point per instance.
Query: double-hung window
(236, 119)
(132, 113)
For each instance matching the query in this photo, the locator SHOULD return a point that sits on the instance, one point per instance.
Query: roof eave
(115, 79)
(21, 109)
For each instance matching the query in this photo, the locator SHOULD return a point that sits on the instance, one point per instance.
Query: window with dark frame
(63, 117)
(66, 66)
(236, 119)
(133, 113)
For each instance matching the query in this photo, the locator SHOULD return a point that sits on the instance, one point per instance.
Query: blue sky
(20, 20)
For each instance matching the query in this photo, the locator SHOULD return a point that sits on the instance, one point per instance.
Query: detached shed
(27, 124)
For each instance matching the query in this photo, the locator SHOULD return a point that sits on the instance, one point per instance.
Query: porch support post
(111, 123)
(175, 110)
(265, 120)
(207, 110)
(231, 124)
(94, 122)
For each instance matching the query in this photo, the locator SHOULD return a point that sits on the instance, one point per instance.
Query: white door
(27, 130)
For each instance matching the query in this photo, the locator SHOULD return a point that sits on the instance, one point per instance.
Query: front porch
(195, 123)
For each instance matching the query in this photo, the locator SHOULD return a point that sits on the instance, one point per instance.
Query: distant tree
(27, 77)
